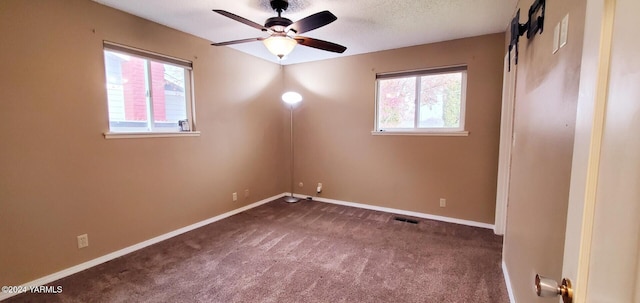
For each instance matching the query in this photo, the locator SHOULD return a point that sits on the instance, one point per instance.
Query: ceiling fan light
(280, 45)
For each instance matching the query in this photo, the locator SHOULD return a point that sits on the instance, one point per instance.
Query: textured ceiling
(363, 26)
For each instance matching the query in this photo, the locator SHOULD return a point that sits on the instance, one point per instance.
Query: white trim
(400, 212)
(507, 281)
(132, 135)
(506, 145)
(420, 133)
(127, 250)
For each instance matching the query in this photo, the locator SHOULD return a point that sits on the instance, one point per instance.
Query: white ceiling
(363, 26)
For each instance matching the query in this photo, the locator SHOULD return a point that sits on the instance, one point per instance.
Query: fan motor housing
(277, 21)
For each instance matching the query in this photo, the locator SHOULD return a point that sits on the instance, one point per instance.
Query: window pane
(145, 94)
(169, 98)
(421, 101)
(126, 92)
(440, 99)
(396, 103)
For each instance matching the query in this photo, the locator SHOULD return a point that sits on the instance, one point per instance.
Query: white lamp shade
(280, 45)
(291, 97)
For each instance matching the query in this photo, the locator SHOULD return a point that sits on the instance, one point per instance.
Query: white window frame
(189, 95)
(423, 131)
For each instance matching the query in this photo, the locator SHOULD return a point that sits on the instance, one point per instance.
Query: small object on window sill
(184, 125)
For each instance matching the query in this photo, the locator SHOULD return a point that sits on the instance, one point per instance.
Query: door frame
(506, 143)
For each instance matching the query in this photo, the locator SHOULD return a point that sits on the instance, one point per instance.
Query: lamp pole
(291, 198)
(291, 98)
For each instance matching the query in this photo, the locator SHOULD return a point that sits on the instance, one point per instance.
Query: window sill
(421, 133)
(133, 135)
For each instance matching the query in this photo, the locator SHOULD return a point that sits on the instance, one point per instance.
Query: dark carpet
(302, 252)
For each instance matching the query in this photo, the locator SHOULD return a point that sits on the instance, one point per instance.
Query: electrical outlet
(319, 188)
(443, 202)
(234, 196)
(83, 241)
(246, 193)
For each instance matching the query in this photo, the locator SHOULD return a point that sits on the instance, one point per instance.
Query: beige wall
(60, 178)
(334, 144)
(544, 122)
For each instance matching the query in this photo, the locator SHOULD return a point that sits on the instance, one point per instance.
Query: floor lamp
(291, 98)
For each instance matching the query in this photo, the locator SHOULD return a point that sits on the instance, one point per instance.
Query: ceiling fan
(283, 33)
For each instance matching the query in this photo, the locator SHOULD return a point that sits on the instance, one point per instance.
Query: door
(603, 223)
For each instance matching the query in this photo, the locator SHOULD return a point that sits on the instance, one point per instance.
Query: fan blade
(321, 44)
(237, 41)
(312, 22)
(240, 19)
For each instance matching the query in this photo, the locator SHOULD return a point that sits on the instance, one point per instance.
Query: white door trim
(506, 144)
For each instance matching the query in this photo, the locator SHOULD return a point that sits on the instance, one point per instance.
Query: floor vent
(401, 219)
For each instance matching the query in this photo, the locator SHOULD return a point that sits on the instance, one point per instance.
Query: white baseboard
(86, 265)
(507, 281)
(400, 212)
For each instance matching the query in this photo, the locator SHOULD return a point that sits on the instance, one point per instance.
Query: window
(147, 92)
(426, 101)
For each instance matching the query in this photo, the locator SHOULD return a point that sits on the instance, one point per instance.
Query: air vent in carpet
(401, 219)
